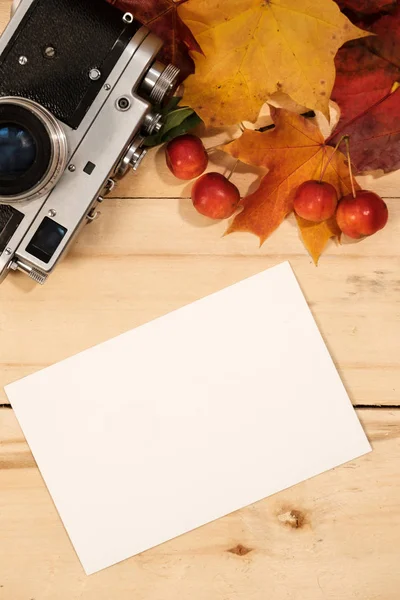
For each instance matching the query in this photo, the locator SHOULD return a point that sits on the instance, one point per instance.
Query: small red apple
(363, 215)
(186, 156)
(315, 200)
(214, 196)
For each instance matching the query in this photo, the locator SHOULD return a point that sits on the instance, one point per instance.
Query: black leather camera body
(79, 90)
(62, 41)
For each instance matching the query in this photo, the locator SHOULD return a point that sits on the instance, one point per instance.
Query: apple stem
(322, 164)
(323, 171)
(233, 169)
(347, 142)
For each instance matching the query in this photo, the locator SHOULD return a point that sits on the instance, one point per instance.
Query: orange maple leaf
(316, 235)
(293, 152)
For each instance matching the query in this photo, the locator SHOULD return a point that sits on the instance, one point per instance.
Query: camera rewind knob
(32, 272)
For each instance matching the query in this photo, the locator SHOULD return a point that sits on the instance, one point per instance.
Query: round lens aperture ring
(50, 143)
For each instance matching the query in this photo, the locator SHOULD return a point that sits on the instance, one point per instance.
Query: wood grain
(334, 536)
(151, 252)
(146, 257)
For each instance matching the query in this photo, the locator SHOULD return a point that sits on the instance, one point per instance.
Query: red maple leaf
(367, 7)
(370, 112)
(161, 17)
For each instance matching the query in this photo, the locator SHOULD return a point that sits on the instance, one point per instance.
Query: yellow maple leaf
(254, 48)
(316, 235)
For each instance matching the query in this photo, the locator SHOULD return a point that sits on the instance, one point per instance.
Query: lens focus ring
(164, 84)
(51, 150)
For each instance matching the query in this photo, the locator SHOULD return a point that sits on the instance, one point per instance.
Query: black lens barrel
(22, 119)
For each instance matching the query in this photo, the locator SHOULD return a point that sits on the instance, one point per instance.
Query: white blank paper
(187, 418)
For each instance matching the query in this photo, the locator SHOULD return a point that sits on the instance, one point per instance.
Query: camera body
(79, 89)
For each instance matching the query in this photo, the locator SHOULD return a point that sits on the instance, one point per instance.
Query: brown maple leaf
(293, 152)
(370, 109)
(161, 17)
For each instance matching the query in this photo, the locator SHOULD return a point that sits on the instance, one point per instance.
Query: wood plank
(171, 226)
(334, 536)
(4, 12)
(146, 257)
(142, 260)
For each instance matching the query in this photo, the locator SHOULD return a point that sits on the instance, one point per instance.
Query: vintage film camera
(79, 88)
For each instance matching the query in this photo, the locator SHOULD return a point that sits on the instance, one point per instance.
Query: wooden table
(336, 536)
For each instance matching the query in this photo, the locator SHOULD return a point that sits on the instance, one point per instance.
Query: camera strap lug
(93, 215)
(110, 185)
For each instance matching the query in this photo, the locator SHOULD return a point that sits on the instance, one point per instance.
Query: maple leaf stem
(323, 171)
(347, 142)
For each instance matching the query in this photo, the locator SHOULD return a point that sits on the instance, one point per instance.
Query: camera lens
(25, 151)
(18, 151)
(33, 150)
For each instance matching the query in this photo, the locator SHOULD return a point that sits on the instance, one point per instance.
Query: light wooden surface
(333, 537)
(336, 536)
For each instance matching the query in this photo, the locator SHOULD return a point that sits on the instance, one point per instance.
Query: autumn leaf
(293, 152)
(367, 7)
(254, 48)
(370, 109)
(161, 17)
(316, 235)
